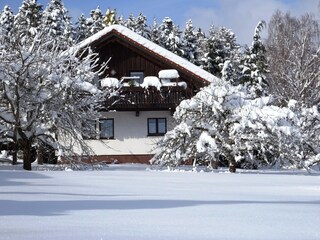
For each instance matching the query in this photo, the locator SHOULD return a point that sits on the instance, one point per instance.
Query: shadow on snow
(52, 208)
(18, 178)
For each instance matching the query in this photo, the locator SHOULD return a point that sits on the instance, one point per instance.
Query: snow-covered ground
(132, 202)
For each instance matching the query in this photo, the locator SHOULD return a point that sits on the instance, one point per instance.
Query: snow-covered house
(153, 81)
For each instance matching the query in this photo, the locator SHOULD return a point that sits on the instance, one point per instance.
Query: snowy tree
(224, 123)
(170, 36)
(138, 25)
(308, 153)
(82, 30)
(28, 19)
(265, 135)
(189, 42)
(254, 65)
(222, 46)
(45, 94)
(96, 21)
(142, 27)
(202, 132)
(293, 52)
(155, 32)
(6, 21)
(57, 24)
(130, 22)
(201, 48)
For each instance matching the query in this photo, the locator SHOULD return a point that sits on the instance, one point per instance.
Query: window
(106, 128)
(139, 75)
(157, 126)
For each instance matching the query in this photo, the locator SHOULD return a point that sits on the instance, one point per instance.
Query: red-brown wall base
(143, 159)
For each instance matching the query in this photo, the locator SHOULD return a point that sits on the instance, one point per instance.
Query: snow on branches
(45, 93)
(224, 125)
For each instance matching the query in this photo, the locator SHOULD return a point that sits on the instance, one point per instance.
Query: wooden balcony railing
(138, 98)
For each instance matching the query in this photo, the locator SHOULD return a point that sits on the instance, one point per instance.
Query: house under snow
(154, 81)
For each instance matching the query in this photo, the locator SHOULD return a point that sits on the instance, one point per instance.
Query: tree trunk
(232, 167)
(15, 156)
(27, 156)
(15, 146)
(214, 164)
(40, 154)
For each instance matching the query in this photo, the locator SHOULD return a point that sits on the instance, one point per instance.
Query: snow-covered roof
(179, 62)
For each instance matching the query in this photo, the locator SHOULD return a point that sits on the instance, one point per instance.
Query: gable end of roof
(152, 48)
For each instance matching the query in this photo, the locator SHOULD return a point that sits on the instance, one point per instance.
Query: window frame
(100, 124)
(157, 133)
(132, 74)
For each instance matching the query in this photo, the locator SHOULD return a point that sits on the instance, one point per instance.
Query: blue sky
(239, 15)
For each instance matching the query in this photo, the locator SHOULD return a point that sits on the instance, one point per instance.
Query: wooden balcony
(138, 98)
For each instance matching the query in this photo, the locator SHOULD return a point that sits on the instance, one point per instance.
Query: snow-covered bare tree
(293, 50)
(45, 93)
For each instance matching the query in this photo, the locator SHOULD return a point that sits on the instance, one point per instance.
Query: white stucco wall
(130, 133)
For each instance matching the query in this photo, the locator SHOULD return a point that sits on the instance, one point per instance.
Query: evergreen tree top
(6, 20)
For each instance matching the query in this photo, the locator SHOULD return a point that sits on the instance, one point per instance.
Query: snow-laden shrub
(223, 123)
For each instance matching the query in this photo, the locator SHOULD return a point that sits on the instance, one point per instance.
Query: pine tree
(254, 63)
(28, 19)
(155, 32)
(170, 36)
(82, 31)
(142, 27)
(189, 42)
(201, 48)
(57, 24)
(138, 25)
(130, 22)
(222, 46)
(96, 21)
(6, 21)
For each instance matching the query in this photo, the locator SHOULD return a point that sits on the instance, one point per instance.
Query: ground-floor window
(106, 128)
(157, 126)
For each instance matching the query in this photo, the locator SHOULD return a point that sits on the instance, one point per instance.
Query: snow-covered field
(130, 202)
